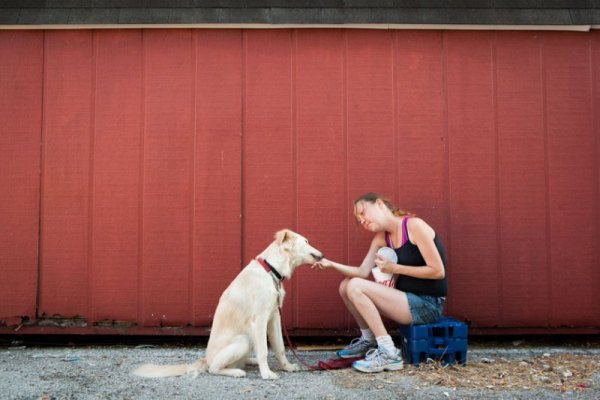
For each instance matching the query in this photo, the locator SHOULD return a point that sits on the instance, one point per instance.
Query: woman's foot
(358, 347)
(378, 360)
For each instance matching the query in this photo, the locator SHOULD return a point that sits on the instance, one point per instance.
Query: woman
(419, 293)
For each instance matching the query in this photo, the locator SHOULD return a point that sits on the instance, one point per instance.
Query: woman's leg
(368, 301)
(359, 346)
(344, 294)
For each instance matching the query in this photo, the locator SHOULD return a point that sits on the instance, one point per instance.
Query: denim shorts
(425, 309)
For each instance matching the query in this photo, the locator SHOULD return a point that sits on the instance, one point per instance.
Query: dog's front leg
(277, 345)
(259, 331)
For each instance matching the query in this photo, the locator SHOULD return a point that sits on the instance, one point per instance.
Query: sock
(367, 334)
(386, 343)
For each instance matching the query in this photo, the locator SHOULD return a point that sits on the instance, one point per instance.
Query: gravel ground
(103, 372)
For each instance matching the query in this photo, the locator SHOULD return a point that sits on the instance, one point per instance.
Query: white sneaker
(358, 347)
(378, 360)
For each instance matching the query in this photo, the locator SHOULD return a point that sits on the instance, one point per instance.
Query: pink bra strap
(404, 230)
(388, 240)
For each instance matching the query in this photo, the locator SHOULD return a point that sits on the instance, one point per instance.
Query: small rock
(486, 360)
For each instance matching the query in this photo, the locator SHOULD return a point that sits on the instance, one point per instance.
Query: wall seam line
(345, 140)
(498, 178)
(141, 308)
(294, 142)
(42, 179)
(396, 117)
(90, 310)
(191, 281)
(447, 186)
(547, 182)
(596, 152)
(243, 48)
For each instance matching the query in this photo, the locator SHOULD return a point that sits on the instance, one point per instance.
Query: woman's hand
(322, 264)
(385, 265)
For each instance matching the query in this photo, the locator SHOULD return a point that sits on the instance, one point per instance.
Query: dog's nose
(318, 257)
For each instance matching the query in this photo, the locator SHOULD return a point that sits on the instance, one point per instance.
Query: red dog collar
(269, 268)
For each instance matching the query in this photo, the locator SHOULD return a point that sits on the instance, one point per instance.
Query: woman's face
(369, 215)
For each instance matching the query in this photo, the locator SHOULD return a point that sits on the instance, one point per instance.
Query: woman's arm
(360, 272)
(422, 235)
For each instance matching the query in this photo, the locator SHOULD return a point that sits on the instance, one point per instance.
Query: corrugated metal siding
(169, 158)
(20, 122)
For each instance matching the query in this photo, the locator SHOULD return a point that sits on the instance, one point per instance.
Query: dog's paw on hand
(269, 375)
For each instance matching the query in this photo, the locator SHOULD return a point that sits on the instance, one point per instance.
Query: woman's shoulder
(416, 225)
(413, 220)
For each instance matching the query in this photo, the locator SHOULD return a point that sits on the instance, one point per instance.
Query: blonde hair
(372, 197)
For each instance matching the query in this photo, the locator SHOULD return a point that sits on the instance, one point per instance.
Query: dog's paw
(238, 373)
(291, 367)
(269, 375)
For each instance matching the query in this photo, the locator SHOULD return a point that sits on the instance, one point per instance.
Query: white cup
(383, 278)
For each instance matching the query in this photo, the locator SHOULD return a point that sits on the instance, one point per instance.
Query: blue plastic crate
(446, 327)
(452, 351)
(445, 340)
(414, 351)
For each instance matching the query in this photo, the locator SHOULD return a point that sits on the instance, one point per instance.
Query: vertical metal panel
(67, 131)
(269, 174)
(323, 209)
(472, 177)
(422, 161)
(21, 66)
(217, 168)
(573, 201)
(168, 161)
(370, 114)
(117, 155)
(522, 180)
(595, 50)
(371, 150)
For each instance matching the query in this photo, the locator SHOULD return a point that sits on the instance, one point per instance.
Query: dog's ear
(282, 236)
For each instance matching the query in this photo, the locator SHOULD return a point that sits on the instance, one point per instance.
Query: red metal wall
(143, 168)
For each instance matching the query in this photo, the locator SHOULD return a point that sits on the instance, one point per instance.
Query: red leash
(332, 363)
(291, 346)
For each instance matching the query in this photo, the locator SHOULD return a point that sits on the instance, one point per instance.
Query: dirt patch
(555, 372)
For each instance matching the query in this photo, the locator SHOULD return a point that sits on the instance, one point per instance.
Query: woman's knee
(343, 288)
(354, 286)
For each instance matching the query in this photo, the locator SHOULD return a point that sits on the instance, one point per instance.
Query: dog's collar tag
(269, 268)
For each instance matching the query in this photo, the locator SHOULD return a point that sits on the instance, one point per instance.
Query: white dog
(247, 312)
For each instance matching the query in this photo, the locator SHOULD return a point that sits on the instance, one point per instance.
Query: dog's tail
(161, 371)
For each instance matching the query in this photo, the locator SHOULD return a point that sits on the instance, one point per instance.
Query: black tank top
(410, 255)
